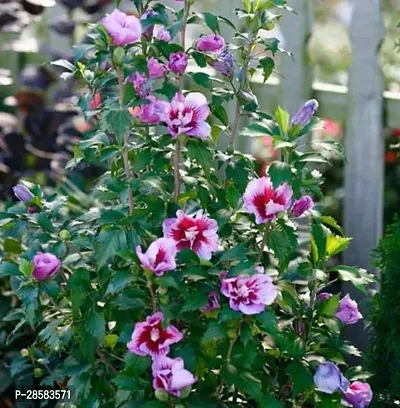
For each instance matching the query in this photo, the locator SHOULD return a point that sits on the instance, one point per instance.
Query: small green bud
(119, 55)
(38, 372)
(162, 290)
(230, 150)
(24, 352)
(64, 235)
(269, 25)
(162, 395)
(164, 300)
(88, 75)
(281, 215)
(184, 393)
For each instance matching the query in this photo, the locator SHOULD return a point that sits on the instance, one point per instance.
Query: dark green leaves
(95, 325)
(119, 120)
(111, 241)
(280, 173)
(267, 65)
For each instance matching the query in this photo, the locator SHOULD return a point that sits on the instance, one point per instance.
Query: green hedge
(384, 354)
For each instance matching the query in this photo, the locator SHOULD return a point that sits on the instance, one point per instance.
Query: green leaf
(111, 217)
(202, 79)
(301, 376)
(271, 402)
(331, 222)
(199, 151)
(12, 246)
(280, 173)
(336, 244)
(237, 253)
(45, 222)
(118, 120)
(196, 301)
(125, 302)
(95, 325)
(282, 119)
(331, 306)
(267, 65)
(26, 267)
(214, 331)
(142, 160)
(250, 385)
(200, 59)
(8, 269)
(111, 241)
(357, 276)
(220, 113)
(120, 280)
(267, 321)
(64, 63)
(318, 242)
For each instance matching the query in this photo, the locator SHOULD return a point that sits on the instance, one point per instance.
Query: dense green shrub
(384, 353)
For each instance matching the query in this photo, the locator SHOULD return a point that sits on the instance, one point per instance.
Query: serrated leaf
(336, 244)
(213, 332)
(280, 173)
(282, 119)
(237, 253)
(301, 377)
(8, 269)
(267, 65)
(26, 267)
(12, 246)
(111, 241)
(96, 326)
(331, 306)
(196, 301)
(44, 222)
(118, 120)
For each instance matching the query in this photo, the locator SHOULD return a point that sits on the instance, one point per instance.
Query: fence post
(296, 84)
(364, 144)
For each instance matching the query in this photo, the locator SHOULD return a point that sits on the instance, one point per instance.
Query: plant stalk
(125, 151)
(177, 152)
(263, 242)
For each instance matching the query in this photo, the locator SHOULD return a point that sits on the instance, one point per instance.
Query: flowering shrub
(186, 285)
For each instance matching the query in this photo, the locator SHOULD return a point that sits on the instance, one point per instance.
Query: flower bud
(161, 395)
(24, 352)
(305, 113)
(64, 235)
(302, 205)
(38, 372)
(22, 193)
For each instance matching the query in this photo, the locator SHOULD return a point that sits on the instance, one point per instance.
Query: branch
(125, 152)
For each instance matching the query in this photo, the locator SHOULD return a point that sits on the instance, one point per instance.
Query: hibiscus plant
(192, 281)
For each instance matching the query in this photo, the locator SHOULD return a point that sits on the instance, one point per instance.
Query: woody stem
(125, 151)
(177, 152)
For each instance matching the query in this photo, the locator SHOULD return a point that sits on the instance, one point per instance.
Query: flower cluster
(150, 338)
(266, 202)
(329, 379)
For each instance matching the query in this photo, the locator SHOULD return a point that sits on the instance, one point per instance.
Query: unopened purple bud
(213, 302)
(32, 209)
(224, 63)
(22, 193)
(140, 83)
(324, 296)
(306, 112)
(302, 205)
(178, 62)
(148, 31)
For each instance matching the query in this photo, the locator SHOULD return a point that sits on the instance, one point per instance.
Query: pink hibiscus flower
(187, 115)
(149, 337)
(265, 202)
(249, 294)
(169, 374)
(199, 233)
(159, 257)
